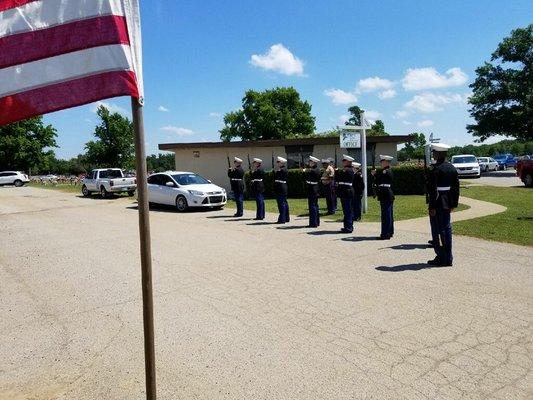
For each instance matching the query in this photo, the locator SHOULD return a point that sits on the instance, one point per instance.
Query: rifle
(272, 161)
(229, 164)
(249, 163)
(335, 156)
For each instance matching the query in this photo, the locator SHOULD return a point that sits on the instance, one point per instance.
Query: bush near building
(408, 179)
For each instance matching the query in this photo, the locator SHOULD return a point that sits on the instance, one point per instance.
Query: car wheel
(104, 193)
(85, 192)
(131, 193)
(181, 204)
(17, 183)
(528, 180)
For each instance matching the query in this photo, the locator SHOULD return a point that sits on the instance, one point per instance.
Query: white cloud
(339, 96)
(215, 114)
(178, 130)
(163, 109)
(425, 123)
(400, 114)
(279, 59)
(387, 94)
(372, 114)
(343, 118)
(430, 78)
(112, 107)
(428, 102)
(407, 123)
(373, 84)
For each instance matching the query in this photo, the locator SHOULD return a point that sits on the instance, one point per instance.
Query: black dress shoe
(237, 215)
(345, 230)
(439, 263)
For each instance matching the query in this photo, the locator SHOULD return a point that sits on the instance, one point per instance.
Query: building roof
(283, 142)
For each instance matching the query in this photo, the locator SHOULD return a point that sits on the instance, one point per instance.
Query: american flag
(56, 54)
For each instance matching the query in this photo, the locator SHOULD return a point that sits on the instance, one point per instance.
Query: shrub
(408, 179)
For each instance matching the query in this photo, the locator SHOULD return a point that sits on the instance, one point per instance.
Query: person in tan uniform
(328, 183)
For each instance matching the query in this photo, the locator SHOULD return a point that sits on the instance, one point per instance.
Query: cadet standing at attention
(312, 177)
(236, 176)
(281, 190)
(383, 182)
(443, 190)
(258, 188)
(358, 189)
(344, 179)
(328, 183)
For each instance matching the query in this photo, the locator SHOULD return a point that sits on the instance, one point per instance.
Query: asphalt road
(506, 178)
(248, 310)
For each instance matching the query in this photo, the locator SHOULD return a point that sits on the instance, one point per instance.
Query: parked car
(505, 161)
(15, 178)
(466, 165)
(184, 190)
(487, 164)
(524, 170)
(107, 181)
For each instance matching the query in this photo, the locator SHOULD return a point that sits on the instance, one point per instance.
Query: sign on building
(350, 138)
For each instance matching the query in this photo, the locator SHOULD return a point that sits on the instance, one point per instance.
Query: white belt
(257, 180)
(278, 181)
(345, 183)
(443, 188)
(236, 179)
(311, 183)
(384, 185)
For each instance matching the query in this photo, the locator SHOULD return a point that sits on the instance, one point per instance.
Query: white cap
(385, 158)
(282, 160)
(355, 164)
(258, 160)
(311, 158)
(325, 161)
(347, 158)
(440, 147)
(237, 159)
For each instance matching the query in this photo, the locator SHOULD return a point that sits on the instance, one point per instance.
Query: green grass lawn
(405, 207)
(513, 226)
(68, 188)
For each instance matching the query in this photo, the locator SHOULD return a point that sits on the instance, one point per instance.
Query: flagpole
(145, 247)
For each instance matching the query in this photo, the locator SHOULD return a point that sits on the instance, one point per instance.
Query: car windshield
(482, 159)
(463, 159)
(189, 179)
(111, 174)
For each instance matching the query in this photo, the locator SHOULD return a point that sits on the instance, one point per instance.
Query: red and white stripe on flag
(56, 54)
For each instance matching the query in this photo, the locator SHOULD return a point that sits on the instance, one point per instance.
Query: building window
(298, 155)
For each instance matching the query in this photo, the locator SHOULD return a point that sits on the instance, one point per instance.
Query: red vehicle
(524, 170)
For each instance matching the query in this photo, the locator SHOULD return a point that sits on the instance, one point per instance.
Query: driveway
(251, 310)
(506, 178)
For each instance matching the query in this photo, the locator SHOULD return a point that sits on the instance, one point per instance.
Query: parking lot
(251, 310)
(506, 178)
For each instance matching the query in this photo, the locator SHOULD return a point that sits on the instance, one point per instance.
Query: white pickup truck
(107, 181)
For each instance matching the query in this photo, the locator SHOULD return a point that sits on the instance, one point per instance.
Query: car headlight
(196, 193)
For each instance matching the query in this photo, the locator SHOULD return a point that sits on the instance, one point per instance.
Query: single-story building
(210, 159)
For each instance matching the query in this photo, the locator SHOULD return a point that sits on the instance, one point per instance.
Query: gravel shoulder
(253, 310)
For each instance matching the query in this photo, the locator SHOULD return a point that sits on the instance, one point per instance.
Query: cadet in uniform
(258, 188)
(358, 190)
(383, 182)
(312, 178)
(281, 190)
(328, 183)
(443, 190)
(236, 176)
(344, 179)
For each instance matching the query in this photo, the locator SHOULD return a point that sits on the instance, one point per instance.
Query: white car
(487, 164)
(13, 178)
(184, 190)
(466, 165)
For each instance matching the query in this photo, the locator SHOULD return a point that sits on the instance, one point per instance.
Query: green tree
(502, 99)
(25, 145)
(161, 162)
(355, 116)
(272, 114)
(114, 146)
(378, 129)
(413, 149)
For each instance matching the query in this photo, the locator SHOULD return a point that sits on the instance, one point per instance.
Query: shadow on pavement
(410, 246)
(408, 267)
(237, 219)
(221, 216)
(359, 238)
(320, 233)
(291, 227)
(258, 223)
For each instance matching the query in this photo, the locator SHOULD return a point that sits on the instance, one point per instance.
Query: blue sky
(200, 57)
